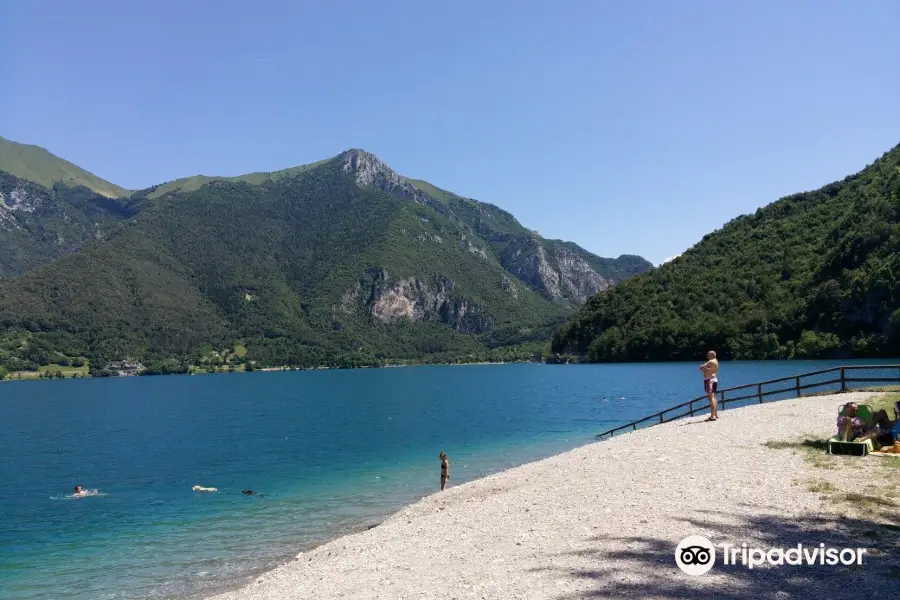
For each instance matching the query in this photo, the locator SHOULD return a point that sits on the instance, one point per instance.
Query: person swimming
(79, 490)
(200, 488)
(248, 492)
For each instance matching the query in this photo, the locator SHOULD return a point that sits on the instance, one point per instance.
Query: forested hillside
(815, 274)
(341, 263)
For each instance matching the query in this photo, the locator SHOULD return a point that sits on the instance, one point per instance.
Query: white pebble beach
(603, 521)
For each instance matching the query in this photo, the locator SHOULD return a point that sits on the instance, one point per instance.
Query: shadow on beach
(645, 567)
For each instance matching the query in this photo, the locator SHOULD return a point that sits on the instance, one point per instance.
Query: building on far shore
(125, 368)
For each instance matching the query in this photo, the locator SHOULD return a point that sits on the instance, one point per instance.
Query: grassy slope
(194, 183)
(434, 191)
(40, 166)
(478, 215)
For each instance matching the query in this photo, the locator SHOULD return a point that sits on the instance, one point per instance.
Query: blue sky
(627, 127)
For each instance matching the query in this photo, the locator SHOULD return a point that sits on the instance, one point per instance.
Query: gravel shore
(602, 521)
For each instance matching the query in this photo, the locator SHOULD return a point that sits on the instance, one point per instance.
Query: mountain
(35, 164)
(561, 271)
(340, 262)
(815, 274)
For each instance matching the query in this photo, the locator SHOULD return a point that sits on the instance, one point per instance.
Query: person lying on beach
(892, 449)
(882, 431)
(445, 470)
(200, 488)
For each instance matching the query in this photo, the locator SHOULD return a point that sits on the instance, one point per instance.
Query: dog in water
(200, 488)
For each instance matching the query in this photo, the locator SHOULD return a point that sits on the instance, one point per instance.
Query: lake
(328, 451)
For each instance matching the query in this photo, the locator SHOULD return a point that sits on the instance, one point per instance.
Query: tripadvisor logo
(696, 555)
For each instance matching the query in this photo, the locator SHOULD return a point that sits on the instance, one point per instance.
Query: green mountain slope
(812, 275)
(344, 262)
(33, 163)
(561, 271)
(194, 183)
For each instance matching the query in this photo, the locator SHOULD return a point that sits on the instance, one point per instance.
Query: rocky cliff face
(388, 300)
(372, 171)
(16, 200)
(38, 225)
(558, 272)
(577, 278)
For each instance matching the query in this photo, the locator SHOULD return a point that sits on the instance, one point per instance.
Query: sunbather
(893, 449)
(881, 432)
(849, 425)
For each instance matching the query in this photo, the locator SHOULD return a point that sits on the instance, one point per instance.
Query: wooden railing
(689, 409)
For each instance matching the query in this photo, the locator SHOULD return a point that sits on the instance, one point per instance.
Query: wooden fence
(890, 374)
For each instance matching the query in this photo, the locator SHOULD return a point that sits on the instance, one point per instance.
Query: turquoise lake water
(329, 451)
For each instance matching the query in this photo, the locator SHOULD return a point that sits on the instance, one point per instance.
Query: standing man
(711, 383)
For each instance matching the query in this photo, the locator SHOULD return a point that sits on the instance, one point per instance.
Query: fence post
(759, 392)
(723, 398)
(843, 380)
(691, 405)
(798, 386)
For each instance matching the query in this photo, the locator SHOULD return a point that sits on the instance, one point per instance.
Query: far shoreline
(286, 368)
(279, 369)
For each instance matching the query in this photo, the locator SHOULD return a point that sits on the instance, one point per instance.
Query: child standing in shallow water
(445, 470)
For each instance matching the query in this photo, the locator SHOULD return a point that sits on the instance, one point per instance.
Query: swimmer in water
(200, 488)
(79, 490)
(248, 492)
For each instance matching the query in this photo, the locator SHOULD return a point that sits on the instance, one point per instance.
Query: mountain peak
(372, 171)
